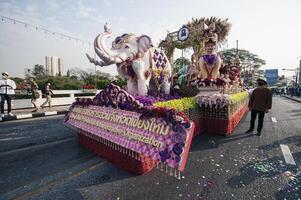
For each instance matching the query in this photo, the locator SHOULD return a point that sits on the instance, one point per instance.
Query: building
(272, 76)
(54, 66)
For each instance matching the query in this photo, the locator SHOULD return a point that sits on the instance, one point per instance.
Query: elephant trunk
(108, 56)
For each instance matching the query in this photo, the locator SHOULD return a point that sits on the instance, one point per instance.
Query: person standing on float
(210, 63)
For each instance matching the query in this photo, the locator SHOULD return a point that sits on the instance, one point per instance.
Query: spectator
(7, 87)
(34, 94)
(47, 92)
(260, 102)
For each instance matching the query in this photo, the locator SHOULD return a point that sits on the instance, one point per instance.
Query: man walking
(7, 87)
(47, 93)
(260, 103)
(34, 94)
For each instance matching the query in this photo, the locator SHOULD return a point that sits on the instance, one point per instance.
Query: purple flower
(178, 137)
(177, 158)
(164, 155)
(178, 148)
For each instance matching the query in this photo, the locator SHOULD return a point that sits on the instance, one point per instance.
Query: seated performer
(210, 63)
(192, 71)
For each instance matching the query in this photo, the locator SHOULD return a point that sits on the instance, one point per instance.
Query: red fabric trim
(222, 126)
(124, 161)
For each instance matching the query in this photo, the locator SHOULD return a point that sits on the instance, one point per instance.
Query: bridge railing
(22, 100)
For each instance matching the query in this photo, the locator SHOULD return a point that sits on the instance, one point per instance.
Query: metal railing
(22, 100)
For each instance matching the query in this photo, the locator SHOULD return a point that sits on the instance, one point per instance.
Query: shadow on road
(296, 140)
(210, 141)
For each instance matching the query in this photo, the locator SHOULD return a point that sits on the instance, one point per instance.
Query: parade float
(214, 84)
(151, 123)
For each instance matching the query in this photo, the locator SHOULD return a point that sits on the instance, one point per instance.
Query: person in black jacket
(260, 103)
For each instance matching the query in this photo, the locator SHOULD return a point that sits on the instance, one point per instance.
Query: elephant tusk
(96, 62)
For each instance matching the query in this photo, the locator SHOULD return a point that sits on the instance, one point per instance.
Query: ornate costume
(210, 63)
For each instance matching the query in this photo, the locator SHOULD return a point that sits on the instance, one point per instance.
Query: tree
(39, 71)
(246, 57)
(17, 79)
(102, 84)
(178, 64)
(79, 73)
(27, 73)
(68, 73)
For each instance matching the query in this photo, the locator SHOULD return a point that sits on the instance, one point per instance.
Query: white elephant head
(136, 59)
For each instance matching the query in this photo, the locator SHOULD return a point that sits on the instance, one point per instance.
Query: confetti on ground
(288, 174)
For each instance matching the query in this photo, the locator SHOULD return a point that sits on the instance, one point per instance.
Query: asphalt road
(41, 159)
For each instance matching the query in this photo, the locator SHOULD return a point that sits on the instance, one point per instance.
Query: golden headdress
(209, 33)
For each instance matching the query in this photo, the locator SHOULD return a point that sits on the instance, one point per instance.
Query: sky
(271, 28)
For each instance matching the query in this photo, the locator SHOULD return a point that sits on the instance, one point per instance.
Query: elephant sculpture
(143, 66)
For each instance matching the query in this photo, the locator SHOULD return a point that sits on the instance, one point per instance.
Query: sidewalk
(27, 113)
(294, 98)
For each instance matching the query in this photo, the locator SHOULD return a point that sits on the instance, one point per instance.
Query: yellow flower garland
(182, 104)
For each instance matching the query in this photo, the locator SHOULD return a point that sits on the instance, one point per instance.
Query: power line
(45, 30)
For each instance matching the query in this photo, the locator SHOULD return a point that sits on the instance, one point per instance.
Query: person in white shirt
(7, 89)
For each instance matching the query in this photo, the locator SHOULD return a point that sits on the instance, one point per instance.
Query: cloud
(53, 5)
(84, 11)
(106, 2)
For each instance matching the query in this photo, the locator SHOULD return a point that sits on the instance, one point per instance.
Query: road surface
(41, 159)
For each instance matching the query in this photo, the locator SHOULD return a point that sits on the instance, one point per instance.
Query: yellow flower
(182, 104)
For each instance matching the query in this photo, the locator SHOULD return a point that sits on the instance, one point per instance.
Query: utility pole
(299, 72)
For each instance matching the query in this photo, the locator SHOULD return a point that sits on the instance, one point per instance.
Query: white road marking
(274, 119)
(9, 139)
(22, 116)
(287, 154)
(50, 113)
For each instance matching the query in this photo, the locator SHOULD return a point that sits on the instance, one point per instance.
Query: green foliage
(39, 71)
(246, 58)
(17, 79)
(75, 80)
(178, 64)
(120, 82)
(60, 83)
(250, 83)
(102, 84)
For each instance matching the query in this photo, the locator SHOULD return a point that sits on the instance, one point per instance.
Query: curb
(294, 99)
(33, 115)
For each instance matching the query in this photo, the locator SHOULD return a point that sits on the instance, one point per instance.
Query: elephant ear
(144, 43)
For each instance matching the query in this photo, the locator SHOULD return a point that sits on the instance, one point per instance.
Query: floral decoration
(182, 104)
(216, 100)
(89, 86)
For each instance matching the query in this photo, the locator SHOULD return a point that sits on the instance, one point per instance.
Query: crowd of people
(7, 91)
(290, 90)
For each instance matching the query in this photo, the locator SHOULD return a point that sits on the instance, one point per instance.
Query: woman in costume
(210, 63)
